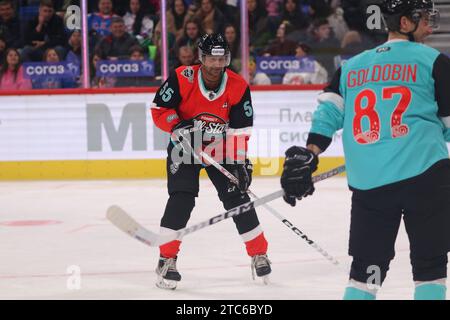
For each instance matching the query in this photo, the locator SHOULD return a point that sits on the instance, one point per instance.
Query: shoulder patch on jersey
(383, 49)
(171, 117)
(188, 73)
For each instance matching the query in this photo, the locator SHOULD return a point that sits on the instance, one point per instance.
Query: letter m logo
(133, 116)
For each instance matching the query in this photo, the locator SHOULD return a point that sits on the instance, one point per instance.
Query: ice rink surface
(48, 230)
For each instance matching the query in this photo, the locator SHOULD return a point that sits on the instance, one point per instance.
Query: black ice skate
(261, 265)
(167, 272)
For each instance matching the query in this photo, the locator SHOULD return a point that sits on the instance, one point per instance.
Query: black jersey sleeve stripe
(168, 95)
(241, 114)
(319, 140)
(333, 86)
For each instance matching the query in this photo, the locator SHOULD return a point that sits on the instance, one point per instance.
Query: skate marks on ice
(213, 262)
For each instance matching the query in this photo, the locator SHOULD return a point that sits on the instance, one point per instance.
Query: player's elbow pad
(327, 119)
(164, 118)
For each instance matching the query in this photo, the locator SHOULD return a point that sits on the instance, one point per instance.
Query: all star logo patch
(210, 123)
(189, 74)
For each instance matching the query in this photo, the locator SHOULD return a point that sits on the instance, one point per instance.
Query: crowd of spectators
(35, 31)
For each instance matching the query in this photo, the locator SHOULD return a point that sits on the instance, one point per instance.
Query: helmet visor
(433, 18)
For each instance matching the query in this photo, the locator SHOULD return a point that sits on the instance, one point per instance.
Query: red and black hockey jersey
(184, 96)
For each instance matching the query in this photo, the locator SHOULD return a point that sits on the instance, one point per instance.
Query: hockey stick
(285, 221)
(128, 225)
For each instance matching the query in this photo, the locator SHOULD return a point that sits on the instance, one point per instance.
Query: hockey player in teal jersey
(393, 104)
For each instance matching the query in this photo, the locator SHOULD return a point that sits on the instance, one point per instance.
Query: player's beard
(212, 75)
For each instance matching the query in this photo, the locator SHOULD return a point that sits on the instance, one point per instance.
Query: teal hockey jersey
(393, 104)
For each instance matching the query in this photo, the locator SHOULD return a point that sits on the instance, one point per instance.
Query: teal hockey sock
(352, 293)
(430, 291)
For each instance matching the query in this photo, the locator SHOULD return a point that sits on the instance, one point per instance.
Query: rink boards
(103, 136)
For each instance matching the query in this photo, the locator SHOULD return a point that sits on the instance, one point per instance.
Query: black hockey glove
(296, 179)
(243, 172)
(182, 139)
(184, 129)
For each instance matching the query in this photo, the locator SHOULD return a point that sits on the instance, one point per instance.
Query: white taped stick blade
(122, 220)
(127, 224)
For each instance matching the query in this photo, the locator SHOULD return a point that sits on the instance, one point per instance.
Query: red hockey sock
(257, 245)
(171, 249)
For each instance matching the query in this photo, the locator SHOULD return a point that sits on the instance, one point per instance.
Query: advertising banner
(125, 68)
(40, 70)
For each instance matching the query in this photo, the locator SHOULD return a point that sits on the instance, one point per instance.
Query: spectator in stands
(257, 78)
(137, 23)
(73, 48)
(210, 17)
(293, 14)
(324, 45)
(11, 72)
(43, 32)
(96, 81)
(321, 34)
(99, 23)
(259, 32)
(192, 34)
(337, 23)
(281, 46)
(230, 10)
(176, 18)
(274, 8)
(52, 82)
(152, 7)
(352, 43)
(171, 45)
(322, 9)
(136, 54)
(318, 76)
(10, 28)
(186, 56)
(118, 43)
(231, 36)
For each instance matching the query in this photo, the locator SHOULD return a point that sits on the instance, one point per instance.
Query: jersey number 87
(398, 129)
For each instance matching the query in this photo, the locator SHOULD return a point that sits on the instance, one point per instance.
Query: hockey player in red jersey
(210, 100)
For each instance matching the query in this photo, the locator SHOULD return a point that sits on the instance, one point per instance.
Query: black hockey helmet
(214, 45)
(393, 10)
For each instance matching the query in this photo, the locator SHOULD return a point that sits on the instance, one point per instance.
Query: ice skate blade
(166, 284)
(266, 280)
